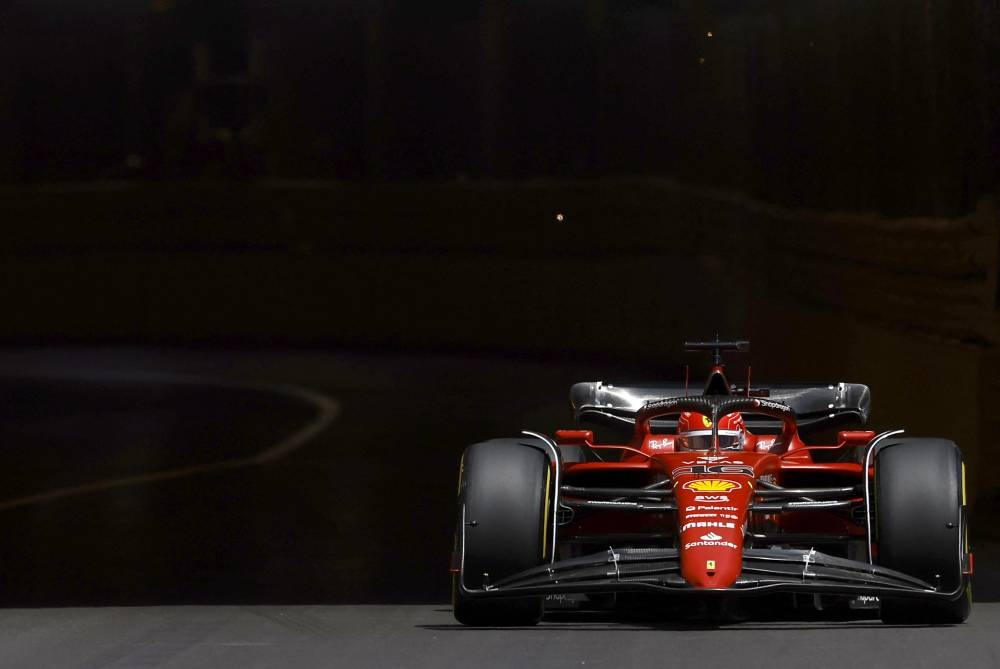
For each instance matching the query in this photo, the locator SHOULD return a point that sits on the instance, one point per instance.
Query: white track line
(328, 409)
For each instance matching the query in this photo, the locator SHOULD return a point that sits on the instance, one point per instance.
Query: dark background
(487, 176)
(588, 183)
(841, 106)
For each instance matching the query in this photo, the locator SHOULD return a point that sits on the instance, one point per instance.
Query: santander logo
(711, 536)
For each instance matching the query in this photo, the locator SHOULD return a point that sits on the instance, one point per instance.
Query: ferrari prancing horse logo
(712, 485)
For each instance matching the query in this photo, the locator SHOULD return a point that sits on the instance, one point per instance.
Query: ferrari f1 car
(714, 496)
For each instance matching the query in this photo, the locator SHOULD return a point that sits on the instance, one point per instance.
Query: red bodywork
(713, 492)
(716, 496)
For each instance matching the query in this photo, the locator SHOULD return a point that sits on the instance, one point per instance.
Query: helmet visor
(701, 440)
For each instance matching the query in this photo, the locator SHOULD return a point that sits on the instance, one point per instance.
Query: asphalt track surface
(294, 509)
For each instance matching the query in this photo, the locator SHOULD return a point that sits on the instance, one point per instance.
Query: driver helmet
(694, 432)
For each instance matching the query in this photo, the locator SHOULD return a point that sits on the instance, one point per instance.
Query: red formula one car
(714, 496)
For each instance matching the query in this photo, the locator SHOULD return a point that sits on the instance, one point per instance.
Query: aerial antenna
(717, 347)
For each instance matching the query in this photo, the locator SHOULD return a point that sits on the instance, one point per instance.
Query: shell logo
(712, 485)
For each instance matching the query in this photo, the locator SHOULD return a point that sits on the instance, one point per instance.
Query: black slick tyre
(921, 527)
(504, 526)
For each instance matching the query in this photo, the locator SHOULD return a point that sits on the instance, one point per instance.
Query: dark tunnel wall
(594, 266)
(891, 107)
(816, 176)
(634, 268)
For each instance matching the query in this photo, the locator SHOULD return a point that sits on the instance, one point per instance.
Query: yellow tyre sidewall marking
(545, 516)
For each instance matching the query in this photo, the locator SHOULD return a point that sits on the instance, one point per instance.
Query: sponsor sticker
(603, 502)
(700, 507)
(727, 516)
(697, 544)
(709, 565)
(659, 443)
(710, 539)
(738, 470)
(711, 498)
(707, 523)
(768, 404)
(712, 485)
(656, 405)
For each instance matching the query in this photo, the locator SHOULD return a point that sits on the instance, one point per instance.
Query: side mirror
(855, 437)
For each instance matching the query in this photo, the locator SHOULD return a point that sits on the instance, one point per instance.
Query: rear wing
(815, 406)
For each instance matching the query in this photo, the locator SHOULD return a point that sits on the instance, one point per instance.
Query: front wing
(765, 571)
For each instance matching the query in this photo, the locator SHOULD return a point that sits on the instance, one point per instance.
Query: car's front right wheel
(504, 526)
(921, 527)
